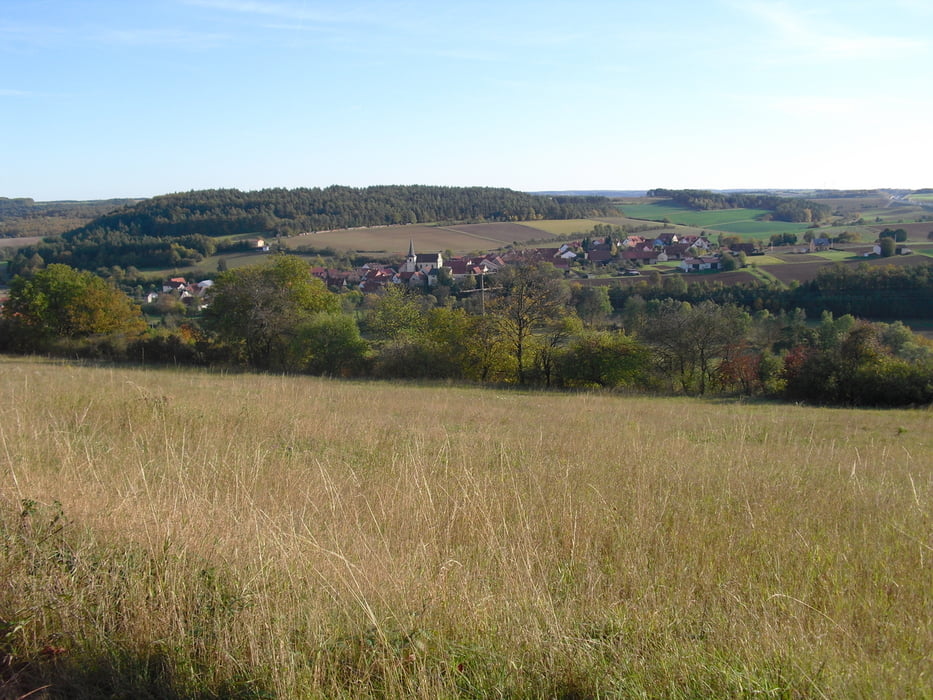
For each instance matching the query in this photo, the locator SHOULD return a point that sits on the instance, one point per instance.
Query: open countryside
(523, 350)
(582, 457)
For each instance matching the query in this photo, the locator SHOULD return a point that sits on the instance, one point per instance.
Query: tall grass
(181, 534)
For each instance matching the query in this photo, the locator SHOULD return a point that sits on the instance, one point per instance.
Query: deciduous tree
(61, 302)
(530, 297)
(261, 307)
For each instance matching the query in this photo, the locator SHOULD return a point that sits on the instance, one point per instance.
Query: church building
(423, 262)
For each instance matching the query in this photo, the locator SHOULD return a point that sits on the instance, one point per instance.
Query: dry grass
(255, 536)
(460, 239)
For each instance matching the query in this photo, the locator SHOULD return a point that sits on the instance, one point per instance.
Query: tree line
(286, 211)
(792, 209)
(531, 328)
(885, 292)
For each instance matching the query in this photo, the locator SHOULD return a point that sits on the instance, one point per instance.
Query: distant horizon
(595, 191)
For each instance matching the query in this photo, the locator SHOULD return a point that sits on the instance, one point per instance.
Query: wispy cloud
(161, 37)
(49, 35)
(286, 11)
(817, 34)
(18, 34)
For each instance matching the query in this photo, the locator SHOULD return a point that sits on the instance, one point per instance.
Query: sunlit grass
(259, 536)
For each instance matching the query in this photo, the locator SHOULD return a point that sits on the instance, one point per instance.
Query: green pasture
(761, 274)
(740, 221)
(837, 255)
(761, 230)
(208, 266)
(763, 260)
(620, 221)
(691, 217)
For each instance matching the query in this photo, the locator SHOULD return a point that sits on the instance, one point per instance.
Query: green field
(760, 230)
(740, 221)
(173, 534)
(765, 260)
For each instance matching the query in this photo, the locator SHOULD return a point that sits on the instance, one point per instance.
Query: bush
(603, 359)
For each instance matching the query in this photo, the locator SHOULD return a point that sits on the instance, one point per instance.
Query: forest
(181, 229)
(22, 216)
(888, 292)
(792, 209)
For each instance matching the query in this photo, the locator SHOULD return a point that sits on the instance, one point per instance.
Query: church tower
(411, 259)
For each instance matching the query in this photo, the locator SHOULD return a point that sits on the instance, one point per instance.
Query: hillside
(24, 217)
(179, 229)
(393, 540)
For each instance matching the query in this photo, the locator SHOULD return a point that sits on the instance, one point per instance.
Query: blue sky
(103, 98)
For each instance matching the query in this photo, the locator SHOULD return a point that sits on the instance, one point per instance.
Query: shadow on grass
(117, 675)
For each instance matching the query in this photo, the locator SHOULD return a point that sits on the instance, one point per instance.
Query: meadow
(458, 238)
(171, 534)
(740, 221)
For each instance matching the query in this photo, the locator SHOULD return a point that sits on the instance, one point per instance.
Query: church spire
(411, 248)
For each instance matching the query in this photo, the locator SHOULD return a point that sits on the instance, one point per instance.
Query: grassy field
(760, 230)
(458, 238)
(182, 534)
(741, 221)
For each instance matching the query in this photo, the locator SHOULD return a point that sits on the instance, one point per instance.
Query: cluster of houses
(189, 293)
(692, 251)
(419, 270)
(423, 270)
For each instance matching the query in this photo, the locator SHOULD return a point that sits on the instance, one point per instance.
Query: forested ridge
(177, 229)
(23, 216)
(230, 211)
(783, 208)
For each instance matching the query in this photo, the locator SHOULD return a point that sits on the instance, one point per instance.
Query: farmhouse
(747, 248)
(676, 251)
(416, 280)
(699, 264)
(691, 240)
(599, 257)
(646, 256)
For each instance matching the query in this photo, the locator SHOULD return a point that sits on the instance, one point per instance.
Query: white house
(698, 264)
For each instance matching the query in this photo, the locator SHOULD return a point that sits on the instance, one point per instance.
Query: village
(626, 255)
